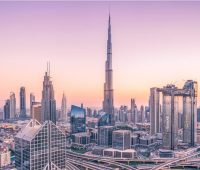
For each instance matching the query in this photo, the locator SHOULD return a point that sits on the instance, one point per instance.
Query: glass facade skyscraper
(22, 96)
(39, 146)
(7, 110)
(77, 119)
(104, 119)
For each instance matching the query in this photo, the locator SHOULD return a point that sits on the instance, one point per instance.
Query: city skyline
(147, 37)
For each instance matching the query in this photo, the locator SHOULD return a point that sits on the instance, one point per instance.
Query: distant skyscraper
(170, 110)
(7, 110)
(142, 116)
(36, 111)
(108, 105)
(64, 108)
(40, 147)
(190, 113)
(134, 112)
(77, 119)
(48, 101)
(154, 111)
(12, 105)
(22, 102)
(32, 99)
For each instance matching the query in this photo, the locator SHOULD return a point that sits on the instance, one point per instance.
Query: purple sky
(154, 43)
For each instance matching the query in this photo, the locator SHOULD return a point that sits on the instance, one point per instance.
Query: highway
(168, 163)
(107, 161)
(90, 165)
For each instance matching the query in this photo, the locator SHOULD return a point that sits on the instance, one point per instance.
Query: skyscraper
(7, 110)
(190, 113)
(134, 112)
(154, 110)
(48, 101)
(36, 111)
(22, 102)
(40, 147)
(108, 85)
(64, 108)
(32, 99)
(12, 105)
(77, 119)
(170, 116)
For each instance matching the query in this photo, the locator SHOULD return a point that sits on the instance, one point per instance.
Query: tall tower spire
(108, 85)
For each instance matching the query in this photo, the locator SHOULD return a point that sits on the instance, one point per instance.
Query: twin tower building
(178, 110)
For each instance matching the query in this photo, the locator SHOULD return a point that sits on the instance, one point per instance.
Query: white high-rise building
(12, 105)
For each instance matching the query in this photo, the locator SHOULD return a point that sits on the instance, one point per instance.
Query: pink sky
(154, 43)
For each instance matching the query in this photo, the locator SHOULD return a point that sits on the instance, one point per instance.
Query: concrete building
(121, 139)
(40, 146)
(115, 153)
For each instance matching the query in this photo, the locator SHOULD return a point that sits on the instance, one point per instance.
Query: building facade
(22, 96)
(154, 111)
(77, 119)
(38, 146)
(12, 105)
(7, 110)
(32, 99)
(108, 102)
(36, 112)
(190, 113)
(63, 116)
(105, 136)
(121, 139)
(48, 102)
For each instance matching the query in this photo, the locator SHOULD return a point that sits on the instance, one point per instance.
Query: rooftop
(29, 131)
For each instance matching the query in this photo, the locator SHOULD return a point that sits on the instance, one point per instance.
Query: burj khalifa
(108, 85)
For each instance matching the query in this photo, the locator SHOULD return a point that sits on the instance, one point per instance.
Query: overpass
(107, 161)
(171, 162)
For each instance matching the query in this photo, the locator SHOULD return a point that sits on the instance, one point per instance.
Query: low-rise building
(4, 156)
